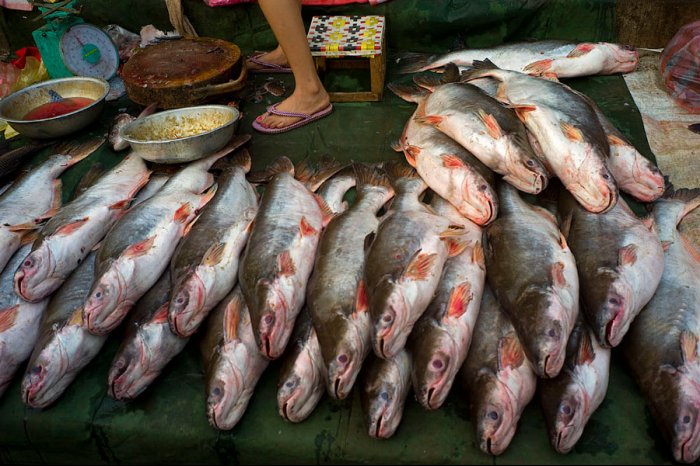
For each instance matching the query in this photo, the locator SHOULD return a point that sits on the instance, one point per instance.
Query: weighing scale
(71, 47)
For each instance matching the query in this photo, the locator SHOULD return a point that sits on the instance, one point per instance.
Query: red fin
(71, 227)
(558, 274)
(29, 238)
(459, 300)
(689, 346)
(411, 153)
(182, 214)
(121, 205)
(188, 227)
(76, 318)
(580, 50)
(522, 111)
(232, 318)
(397, 146)
(550, 76)
(206, 197)
(492, 125)
(510, 354)
(24, 227)
(305, 228)
(452, 161)
(585, 350)
(432, 120)
(214, 254)
(478, 255)
(562, 240)
(615, 141)
(285, 264)
(666, 244)
(326, 211)
(628, 254)
(420, 266)
(161, 315)
(571, 132)
(57, 198)
(139, 248)
(538, 67)
(455, 247)
(361, 303)
(7, 317)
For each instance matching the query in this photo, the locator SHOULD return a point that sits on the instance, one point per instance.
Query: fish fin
(370, 176)
(369, 239)
(411, 153)
(432, 120)
(649, 222)
(627, 255)
(419, 267)
(690, 248)
(666, 244)
(242, 159)
(214, 254)
(510, 353)
(29, 238)
(396, 146)
(562, 240)
(537, 68)
(25, 227)
(550, 76)
(281, 165)
(547, 214)
(70, 227)
(7, 317)
(305, 228)
(326, 211)
(232, 318)
(485, 64)
(492, 126)
(558, 274)
(250, 226)
(183, 213)
(140, 248)
(285, 264)
(76, 317)
(571, 132)
(616, 141)
(361, 302)
(396, 170)
(566, 224)
(97, 246)
(581, 50)
(455, 247)
(689, 197)
(207, 196)
(161, 315)
(459, 300)
(478, 255)
(188, 227)
(313, 179)
(452, 161)
(120, 205)
(428, 82)
(408, 93)
(412, 62)
(585, 354)
(689, 346)
(452, 230)
(79, 151)
(56, 200)
(521, 111)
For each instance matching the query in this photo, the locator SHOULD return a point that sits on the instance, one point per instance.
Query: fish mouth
(337, 389)
(431, 397)
(36, 381)
(489, 449)
(285, 411)
(376, 428)
(612, 336)
(534, 183)
(562, 440)
(116, 387)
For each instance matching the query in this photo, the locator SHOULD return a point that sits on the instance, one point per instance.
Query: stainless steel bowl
(183, 134)
(15, 106)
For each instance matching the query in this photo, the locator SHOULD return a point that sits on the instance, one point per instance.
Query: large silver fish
(336, 295)
(19, 322)
(64, 346)
(661, 347)
(441, 338)
(148, 344)
(204, 267)
(232, 360)
(533, 273)
(71, 234)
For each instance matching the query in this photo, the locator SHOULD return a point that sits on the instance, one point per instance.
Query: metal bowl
(183, 134)
(15, 106)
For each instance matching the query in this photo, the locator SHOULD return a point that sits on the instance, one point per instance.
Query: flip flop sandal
(266, 66)
(305, 119)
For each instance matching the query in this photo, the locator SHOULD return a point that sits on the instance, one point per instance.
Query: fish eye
(438, 364)
(530, 163)
(343, 358)
(216, 391)
(552, 333)
(289, 384)
(493, 415)
(483, 187)
(686, 419)
(98, 295)
(180, 300)
(384, 396)
(606, 176)
(36, 370)
(387, 318)
(614, 301)
(269, 319)
(566, 409)
(28, 263)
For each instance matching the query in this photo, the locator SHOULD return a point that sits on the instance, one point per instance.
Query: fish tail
(690, 198)
(78, 151)
(313, 179)
(479, 69)
(396, 170)
(367, 175)
(409, 93)
(281, 165)
(242, 159)
(412, 62)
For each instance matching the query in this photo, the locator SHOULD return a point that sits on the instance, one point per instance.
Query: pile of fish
(406, 289)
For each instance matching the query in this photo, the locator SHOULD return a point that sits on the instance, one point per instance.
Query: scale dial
(88, 51)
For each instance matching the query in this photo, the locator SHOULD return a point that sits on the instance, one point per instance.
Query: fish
(148, 344)
(204, 267)
(661, 346)
(497, 377)
(69, 236)
(336, 294)
(448, 168)
(565, 59)
(333, 191)
(441, 338)
(96, 171)
(155, 182)
(533, 273)
(385, 387)
(302, 379)
(619, 259)
(138, 248)
(12, 160)
(36, 196)
(566, 130)
(232, 361)
(278, 259)
(569, 399)
(404, 262)
(487, 129)
(64, 346)
(19, 322)
(116, 141)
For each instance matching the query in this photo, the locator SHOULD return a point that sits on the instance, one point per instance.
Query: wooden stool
(345, 42)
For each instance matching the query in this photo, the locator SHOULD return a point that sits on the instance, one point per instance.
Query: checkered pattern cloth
(337, 36)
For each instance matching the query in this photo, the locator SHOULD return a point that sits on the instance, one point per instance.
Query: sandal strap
(257, 61)
(274, 110)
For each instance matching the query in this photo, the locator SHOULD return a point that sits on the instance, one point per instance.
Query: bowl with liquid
(56, 107)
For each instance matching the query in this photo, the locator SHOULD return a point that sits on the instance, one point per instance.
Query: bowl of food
(55, 108)
(183, 134)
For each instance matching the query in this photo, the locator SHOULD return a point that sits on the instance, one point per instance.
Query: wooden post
(652, 23)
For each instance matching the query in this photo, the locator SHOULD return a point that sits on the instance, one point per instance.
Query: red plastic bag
(680, 67)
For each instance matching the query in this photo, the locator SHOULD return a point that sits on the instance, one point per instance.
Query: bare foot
(296, 103)
(274, 57)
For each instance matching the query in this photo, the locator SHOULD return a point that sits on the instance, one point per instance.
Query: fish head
(569, 418)
(35, 277)
(493, 411)
(273, 328)
(383, 407)
(299, 392)
(594, 186)
(435, 357)
(635, 174)
(620, 58)
(348, 342)
(482, 199)
(390, 313)
(609, 303)
(132, 372)
(187, 306)
(226, 383)
(525, 170)
(686, 433)
(103, 308)
(543, 330)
